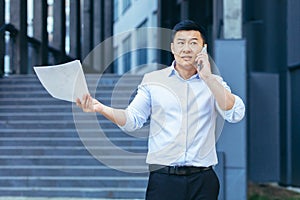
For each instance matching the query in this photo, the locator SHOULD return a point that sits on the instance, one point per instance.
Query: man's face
(185, 47)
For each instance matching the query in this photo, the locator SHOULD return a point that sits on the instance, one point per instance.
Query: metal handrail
(10, 28)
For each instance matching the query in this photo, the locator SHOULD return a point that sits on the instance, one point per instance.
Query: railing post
(2, 33)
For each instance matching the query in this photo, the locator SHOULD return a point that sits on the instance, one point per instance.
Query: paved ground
(272, 191)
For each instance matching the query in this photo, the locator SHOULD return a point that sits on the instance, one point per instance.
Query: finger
(202, 55)
(86, 97)
(82, 101)
(78, 102)
(199, 60)
(89, 101)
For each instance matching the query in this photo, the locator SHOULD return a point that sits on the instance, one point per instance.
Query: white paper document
(64, 81)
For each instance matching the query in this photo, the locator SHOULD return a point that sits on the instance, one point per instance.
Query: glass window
(30, 18)
(115, 63)
(127, 56)
(116, 10)
(142, 44)
(7, 9)
(67, 37)
(50, 20)
(126, 5)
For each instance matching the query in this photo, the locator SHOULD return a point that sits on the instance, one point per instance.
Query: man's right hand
(89, 104)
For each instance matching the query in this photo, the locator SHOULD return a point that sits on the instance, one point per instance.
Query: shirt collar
(174, 72)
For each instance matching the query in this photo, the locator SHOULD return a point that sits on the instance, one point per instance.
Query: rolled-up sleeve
(237, 112)
(139, 109)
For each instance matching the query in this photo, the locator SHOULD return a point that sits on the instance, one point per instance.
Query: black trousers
(197, 186)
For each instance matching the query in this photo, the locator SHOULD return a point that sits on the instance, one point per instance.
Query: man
(183, 101)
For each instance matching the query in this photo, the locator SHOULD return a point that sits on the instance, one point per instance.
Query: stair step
(48, 114)
(119, 164)
(39, 94)
(67, 151)
(86, 182)
(70, 134)
(33, 124)
(70, 142)
(68, 175)
(56, 133)
(96, 192)
(51, 101)
(36, 87)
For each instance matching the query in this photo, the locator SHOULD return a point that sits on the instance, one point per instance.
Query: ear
(172, 47)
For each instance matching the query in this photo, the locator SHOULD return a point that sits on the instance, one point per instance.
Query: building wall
(128, 38)
(230, 57)
(271, 28)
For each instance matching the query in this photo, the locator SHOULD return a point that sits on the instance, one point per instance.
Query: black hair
(189, 25)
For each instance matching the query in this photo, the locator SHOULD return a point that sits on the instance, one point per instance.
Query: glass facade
(127, 56)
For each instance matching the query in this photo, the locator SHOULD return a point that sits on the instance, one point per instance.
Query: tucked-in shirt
(183, 118)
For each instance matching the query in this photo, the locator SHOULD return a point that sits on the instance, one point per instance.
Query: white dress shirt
(183, 118)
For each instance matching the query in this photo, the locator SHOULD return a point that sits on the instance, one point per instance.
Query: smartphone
(204, 50)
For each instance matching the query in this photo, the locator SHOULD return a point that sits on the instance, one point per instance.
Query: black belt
(177, 170)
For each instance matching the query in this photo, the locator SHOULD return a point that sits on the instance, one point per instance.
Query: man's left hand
(203, 65)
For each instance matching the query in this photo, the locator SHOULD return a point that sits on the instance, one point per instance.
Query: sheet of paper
(65, 81)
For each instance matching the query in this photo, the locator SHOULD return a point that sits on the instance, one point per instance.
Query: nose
(186, 48)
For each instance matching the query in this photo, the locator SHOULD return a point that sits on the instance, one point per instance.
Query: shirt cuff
(237, 112)
(128, 126)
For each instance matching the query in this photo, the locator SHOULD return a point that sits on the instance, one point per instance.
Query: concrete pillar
(168, 15)
(59, 25)
(18, 17)
(98, 22)
(108, 32)
(230, 57)
(184, 9)
(87, 28)
(232, 19)
(40, 29)
(217, 29)
(75, 29)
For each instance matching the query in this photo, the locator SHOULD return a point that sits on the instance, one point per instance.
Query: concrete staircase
(42, 151)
